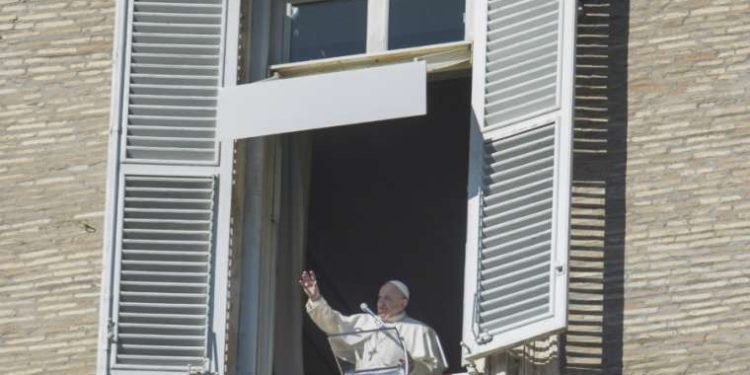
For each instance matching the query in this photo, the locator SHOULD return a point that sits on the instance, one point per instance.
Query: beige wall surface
(55, 66)
(687, 257)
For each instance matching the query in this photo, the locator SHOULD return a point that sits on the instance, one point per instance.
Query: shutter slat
(493, 273)
(161, 348)
(518, 307)
(164, 284)
(520, 243)
(534, 289)
(174, 48)
(159, 360)
(156, 263)
(178, 275)
(186, 28)
(172, 100)
(166, 90)
(163, 255)
(523, 181)
(181, 338)
(198, 19)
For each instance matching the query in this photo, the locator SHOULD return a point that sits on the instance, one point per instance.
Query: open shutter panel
(519, 194)
(174, 52)
(165, 262)
(164, 245)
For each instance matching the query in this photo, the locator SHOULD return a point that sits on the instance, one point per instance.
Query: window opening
(423, 22)
(387, 201)
(318, 29)
(326, 29)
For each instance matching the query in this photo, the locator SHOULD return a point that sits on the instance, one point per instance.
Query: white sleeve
(331, 321)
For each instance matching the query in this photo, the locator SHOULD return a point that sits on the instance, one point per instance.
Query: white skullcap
(401, 287)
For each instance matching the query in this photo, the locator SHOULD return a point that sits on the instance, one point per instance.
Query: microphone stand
(366, 309)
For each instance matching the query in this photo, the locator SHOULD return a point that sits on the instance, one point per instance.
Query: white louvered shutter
(519, 188)
(168, 178)
(164, 271)
(174, 56)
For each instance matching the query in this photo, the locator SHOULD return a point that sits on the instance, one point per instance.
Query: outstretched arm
(326, 318)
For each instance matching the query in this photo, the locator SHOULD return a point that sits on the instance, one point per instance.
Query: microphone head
(363, 307)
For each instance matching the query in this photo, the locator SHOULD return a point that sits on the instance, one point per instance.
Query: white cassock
(420, 341)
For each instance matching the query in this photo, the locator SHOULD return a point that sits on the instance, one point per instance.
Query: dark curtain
(388, 201)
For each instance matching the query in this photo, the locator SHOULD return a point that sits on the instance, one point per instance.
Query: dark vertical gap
(614, 260)
(593, 343)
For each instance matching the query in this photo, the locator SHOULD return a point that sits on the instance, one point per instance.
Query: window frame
(378, 12)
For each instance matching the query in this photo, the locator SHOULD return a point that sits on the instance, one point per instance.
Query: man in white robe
(425, 354)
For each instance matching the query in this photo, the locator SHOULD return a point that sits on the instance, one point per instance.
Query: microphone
(365, 309)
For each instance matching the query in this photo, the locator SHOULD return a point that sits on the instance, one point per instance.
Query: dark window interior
(388, 201)
(328, 29)
(336, 28)
(414, 23)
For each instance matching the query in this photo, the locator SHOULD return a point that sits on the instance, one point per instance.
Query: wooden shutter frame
(474, 345)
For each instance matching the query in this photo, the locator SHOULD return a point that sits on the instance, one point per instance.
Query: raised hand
(309, 285)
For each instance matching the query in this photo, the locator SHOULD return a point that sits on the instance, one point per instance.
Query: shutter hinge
(560, 269)
(480, 337)
(200, 370)
(111, 330)
(470, 364)
(483, 338)
(291, 10)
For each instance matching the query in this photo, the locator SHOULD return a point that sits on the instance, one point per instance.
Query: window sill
(440, 58)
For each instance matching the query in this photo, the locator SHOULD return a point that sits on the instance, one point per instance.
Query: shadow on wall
(593, 341)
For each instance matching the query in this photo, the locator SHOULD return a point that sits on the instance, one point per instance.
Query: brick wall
(55, 58)
(687, 258)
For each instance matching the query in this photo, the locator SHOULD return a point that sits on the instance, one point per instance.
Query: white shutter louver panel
(522, 60)
(172, 80)
(165, 271)
(516, 230)
(519, 185)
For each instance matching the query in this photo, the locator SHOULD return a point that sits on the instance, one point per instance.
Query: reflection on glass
(422, 22)
(328, 29)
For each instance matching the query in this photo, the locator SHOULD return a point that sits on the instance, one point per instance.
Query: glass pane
(328, 29)
(422, 22)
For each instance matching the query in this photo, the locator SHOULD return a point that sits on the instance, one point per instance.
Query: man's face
(390, 302)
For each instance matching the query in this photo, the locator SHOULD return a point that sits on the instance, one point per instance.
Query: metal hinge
(111, 330)
(483, 338)
(200, 370)
(470, 364)
(291, 11)
(479, 336)
(560, 269)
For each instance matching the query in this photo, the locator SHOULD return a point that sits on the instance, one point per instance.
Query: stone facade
(687, 265)
(659, 275)
(55, 68)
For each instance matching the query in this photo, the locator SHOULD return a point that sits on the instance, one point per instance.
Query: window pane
(422, 22)
(328, 29)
